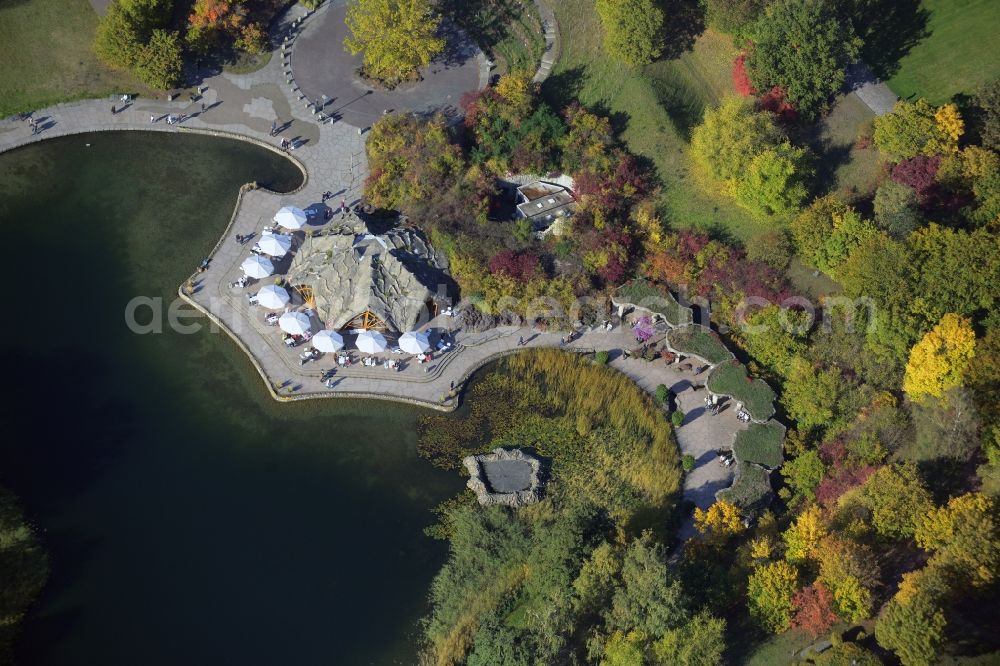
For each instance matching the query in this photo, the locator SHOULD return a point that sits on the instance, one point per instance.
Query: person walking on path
(274, 127)
(152, 118)
(520, 341)
(113, 109)
(203, 107)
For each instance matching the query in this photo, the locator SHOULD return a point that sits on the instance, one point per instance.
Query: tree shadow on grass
(685, 21)
(560, 89)
(889, 28)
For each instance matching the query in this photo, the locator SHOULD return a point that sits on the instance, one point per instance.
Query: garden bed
(647, 296)
(761, 443)
(751, 491)
(699, 341)
(731, 379)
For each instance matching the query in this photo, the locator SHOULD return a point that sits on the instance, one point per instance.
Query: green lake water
(190, 519)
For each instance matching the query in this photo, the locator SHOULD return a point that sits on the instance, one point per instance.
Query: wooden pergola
(367, 320)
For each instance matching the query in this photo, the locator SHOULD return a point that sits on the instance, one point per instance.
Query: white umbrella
(273, 297)
(295, 323)
(291, 217)
(414, 342)
(328, 341)
(257, 267)
(275, 245)
(371, 342)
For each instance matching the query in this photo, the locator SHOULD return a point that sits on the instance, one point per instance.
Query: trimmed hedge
(751, 491)
(761, 443)
(732, 379)
(700, 341)
(644, 294)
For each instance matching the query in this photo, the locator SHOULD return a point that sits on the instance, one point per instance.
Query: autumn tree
(395, 37)
(775, 182)
(733, 16)
(770, 592)
(804, 535)
(720, 521)
(965, 538)
(699, 642)
(811, 393)
(918, 128)
(897, 499)
(212, 20)
(912, 628)
(814, 609)
(804, 473)
(937, 363)
(633, 30)
(987, 103)
(804, 47)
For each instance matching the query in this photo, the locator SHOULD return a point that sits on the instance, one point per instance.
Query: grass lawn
(731, 379)
(959, 54)
(751, 490)
(843, 166)
(652, 109)
(699, 341)
(761, 443)
(47, 58)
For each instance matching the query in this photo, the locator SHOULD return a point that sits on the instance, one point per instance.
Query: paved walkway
(874, 93)
(552, 44)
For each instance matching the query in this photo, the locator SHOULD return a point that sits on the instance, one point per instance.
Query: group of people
(712, 404)
(241, 284)
(311, 354)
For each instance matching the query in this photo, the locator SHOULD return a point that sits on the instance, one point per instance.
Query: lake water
(189, 518)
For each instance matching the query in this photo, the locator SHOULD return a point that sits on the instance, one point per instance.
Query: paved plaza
(328, 74)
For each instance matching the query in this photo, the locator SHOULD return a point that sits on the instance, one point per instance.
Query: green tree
(897, 211)
(897, 499)
(804, 47)
(846, 654)
(733, 16)
(769, 595)
(913, 629)
(624, 649)
(395, 37)
(700, 642)
(125, 30)
(730, 136)
(774, 336)
(775, 183)
(811, 393)
(650, 599)
(160, 62)
(987, 121)
(633, 30)
(910, 130)
(814, 225)
(965, 538)
(803, 473)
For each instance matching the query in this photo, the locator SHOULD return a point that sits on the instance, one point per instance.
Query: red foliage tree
(521, 266)
(741, 80)
(839, 481)
(774, 101)
(920, 173)
(814, 609)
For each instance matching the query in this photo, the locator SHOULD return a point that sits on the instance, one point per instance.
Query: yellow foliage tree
(516, 90)
(938, 360)
(950, 123)
(805, 534)
(721, 520)
(965, 536)
(395, 37)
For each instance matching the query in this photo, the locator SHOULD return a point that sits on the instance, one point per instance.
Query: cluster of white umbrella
(296, 323)
(370, 342)
(275, 245)
(273, 297)
(415, 342)
(291, 218)
(257, 267)
(328, 341)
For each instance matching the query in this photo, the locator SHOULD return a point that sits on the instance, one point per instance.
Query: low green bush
(677, 418)
(731, 379)
(687, 462)
(761, 443)
(601, 357)
(662, 394)
(751, 491)
(700, 341)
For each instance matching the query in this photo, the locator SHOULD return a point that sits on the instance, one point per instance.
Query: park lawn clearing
(699, 341)
(731, 379)
(958, 55)
(45, 48)
(634, 99)
(845, 167)
(761, 443)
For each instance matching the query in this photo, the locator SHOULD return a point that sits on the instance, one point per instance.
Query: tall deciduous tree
(633, 29)
(131, 36)
(938, 362)
(769, 595)
(804, 47)
(912, 628)
(897, 499)
(395, 37)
